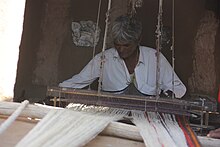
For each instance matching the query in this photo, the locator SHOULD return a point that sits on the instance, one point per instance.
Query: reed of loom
(130, 102)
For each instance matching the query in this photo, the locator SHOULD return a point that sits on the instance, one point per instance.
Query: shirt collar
(141, 57)
(115, 54)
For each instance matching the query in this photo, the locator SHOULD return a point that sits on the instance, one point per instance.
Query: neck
(132, 61)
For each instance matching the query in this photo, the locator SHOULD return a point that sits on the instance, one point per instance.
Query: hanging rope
(13, 117)
(173, 43)
(158, 46)
(104, 47)
(95, 37)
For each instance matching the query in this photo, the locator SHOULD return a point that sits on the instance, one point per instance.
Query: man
(128, 64)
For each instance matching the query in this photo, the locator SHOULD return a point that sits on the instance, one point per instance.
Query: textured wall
(204, 74)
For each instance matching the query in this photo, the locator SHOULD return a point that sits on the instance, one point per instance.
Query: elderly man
(128, 64)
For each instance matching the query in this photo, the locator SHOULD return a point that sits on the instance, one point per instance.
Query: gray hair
(126, 29)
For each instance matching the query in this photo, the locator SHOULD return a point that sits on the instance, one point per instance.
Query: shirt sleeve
(89, 73)
(169, 79)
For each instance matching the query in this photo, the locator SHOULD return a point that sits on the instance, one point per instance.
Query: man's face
(126, 50)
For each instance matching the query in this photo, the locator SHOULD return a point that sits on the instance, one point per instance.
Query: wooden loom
(130, 102)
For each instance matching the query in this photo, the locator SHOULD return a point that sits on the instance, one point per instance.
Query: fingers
(214, 133)
(217, 130)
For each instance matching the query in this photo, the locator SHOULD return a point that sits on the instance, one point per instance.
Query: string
(103, 48)
(59, 97)
(172, 46)
(95, 39)
(158, 47)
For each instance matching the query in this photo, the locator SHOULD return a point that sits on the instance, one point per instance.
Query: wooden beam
(33, 111)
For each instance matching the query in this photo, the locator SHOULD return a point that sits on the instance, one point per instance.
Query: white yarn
(158, 131)
(13, 117)
(162, 132)
(146, 130)
(68, 128)
(174, 130)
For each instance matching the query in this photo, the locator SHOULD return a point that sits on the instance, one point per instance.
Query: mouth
(122, 55)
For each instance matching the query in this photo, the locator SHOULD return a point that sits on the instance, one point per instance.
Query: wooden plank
(15, 132)
(109, 141)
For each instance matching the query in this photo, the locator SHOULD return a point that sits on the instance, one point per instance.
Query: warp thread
(77, 127)
(69, 128)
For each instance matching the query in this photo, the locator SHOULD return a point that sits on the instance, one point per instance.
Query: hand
(167, 94)
(214, 133)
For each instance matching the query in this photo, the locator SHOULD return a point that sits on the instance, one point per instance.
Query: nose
(121, 49)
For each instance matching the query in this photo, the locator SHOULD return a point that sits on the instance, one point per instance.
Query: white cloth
(116, 76)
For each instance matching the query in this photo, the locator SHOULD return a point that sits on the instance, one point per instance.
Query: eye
(122, 45)
(117, 46)
(127, 45)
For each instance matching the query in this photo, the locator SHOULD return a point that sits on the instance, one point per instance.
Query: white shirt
(116, 76)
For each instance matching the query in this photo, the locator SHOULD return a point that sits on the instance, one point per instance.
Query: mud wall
(49, 56)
